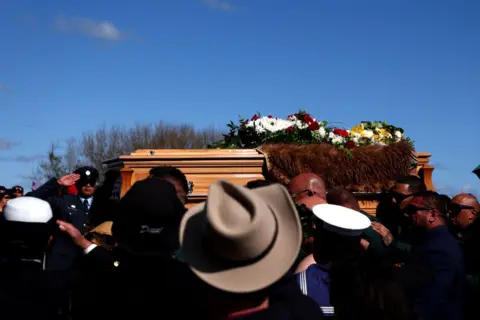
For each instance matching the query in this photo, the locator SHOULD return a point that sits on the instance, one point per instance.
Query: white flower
(331, 135)
(301, 125)
(367, 134)
(322, 132)
(398, 135)
(338, 140)
(260, 129)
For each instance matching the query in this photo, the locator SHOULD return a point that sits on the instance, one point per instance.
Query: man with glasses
(16, 191)
(392, 222)
(465, 226)
(307, 185)
(464, 209)
(435, 268)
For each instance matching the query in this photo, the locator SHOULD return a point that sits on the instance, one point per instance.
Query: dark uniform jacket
(63, 253)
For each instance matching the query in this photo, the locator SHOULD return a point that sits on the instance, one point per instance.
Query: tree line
(93, 147)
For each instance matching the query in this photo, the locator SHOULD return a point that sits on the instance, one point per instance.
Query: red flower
(244, 123)
(270, 116)
(314, 125)
(255, 117)
(350, 145)
(340, 132)
(307, 119)
(289, 129)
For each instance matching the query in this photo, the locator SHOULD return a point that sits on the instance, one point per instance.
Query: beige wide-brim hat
(242, 240)
(104, 228)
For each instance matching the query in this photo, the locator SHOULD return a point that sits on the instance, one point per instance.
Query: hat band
(341, 231)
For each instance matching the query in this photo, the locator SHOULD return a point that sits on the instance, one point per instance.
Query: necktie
(86, 204)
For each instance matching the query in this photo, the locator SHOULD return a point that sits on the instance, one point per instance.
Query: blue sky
(71, 66)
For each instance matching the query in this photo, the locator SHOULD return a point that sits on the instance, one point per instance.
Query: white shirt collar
(89, 200)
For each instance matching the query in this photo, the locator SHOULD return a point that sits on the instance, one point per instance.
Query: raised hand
(68, 180)
(383, 232)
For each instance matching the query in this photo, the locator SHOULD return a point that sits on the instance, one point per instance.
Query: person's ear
(472, 214)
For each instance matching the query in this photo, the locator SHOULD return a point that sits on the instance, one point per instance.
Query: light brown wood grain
(204, 166)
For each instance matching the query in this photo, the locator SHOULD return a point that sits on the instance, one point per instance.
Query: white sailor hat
(340, 220)
(27, 209)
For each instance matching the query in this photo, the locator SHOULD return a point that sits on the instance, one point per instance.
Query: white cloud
(97, 29)
(222, 5)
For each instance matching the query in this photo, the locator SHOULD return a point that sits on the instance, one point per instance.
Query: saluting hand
(68, 180)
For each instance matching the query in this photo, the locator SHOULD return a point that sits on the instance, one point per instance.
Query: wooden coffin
(203, 166)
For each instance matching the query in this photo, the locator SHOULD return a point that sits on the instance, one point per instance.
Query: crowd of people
(69, 250)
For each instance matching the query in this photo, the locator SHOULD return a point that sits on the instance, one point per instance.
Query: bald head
(343, 197)
(464, 209)
(307, 185)
(467, 199)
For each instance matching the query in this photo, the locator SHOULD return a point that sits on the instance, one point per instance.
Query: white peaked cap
(27, 209)
(341, 220)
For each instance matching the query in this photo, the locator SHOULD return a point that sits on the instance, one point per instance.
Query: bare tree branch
(92, 148)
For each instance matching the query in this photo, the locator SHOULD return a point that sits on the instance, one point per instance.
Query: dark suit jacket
(63, 253)
(434, 276)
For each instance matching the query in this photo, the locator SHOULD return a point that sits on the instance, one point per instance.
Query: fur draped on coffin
(371, 168)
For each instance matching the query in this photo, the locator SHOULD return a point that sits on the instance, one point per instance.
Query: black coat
(119, 284)
(28, 292)
(63, 253)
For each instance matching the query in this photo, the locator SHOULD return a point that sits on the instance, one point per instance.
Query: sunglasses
(91, 182)
(456, 207)
(400, 196)
(409, 210)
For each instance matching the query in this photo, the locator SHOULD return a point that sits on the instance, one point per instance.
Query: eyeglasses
(308, 192)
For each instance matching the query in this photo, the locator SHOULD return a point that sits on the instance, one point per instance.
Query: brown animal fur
(370, 169)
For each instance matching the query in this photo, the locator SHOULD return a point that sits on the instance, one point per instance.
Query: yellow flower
(356, 129)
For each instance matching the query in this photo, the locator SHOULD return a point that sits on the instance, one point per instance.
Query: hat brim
(104, 228)
(252, 276)
(340, 220)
